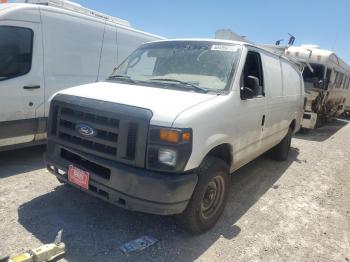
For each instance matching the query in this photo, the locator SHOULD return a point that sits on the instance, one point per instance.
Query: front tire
(209, 198)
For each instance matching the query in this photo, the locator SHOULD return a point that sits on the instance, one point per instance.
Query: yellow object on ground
(44, 253)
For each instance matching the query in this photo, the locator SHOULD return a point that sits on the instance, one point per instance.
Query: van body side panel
(276, 122)
(237, 122)
(294, 93)
(72, 48)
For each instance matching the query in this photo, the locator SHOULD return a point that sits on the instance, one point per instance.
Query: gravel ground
(298, 210)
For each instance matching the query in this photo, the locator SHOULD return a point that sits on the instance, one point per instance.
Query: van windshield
(195, 65)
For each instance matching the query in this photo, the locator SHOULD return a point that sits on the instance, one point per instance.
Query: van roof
(77, 8)
(202, 40)
(215, 40)
(13, 11)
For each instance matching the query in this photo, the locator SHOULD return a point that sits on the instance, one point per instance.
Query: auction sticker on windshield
(224, 48)
(78, 177)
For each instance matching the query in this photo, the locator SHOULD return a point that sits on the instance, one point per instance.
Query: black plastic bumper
(131, 188)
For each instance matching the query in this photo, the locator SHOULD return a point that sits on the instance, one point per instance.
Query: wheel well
(292, 125)
(223, 152)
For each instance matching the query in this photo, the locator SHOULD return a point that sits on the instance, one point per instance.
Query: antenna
(291, 39)
(308, 61)
(278, 42)
(71, 6)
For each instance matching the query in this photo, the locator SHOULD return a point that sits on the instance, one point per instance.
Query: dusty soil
(298, 210)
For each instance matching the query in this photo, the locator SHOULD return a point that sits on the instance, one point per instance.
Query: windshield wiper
(183, 83)
(122, 77)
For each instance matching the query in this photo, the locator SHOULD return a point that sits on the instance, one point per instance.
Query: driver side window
(252, 81)
(16, 46)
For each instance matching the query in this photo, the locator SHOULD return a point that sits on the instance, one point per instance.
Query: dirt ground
(298, 210)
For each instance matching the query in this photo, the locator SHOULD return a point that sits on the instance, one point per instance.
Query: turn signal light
(169, 135)
(174, 136)
(186, 136)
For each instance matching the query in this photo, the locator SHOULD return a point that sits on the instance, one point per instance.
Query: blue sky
(323, 22)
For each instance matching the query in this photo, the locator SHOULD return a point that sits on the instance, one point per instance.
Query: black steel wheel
(209, 197)
(213, 197)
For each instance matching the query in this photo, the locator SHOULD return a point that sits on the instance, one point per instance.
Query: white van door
(251, 111)
(21, 81)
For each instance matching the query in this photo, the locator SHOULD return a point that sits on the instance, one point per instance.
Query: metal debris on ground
(138, 244)
(41, 254)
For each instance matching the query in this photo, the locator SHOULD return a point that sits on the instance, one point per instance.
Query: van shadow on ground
(324, 132)
(94, 230)
(19, 161)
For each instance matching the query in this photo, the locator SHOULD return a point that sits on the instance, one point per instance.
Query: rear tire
(209, 197)
(281, 151)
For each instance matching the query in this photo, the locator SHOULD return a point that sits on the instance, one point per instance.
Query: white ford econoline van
(50, 46)
(164, 132)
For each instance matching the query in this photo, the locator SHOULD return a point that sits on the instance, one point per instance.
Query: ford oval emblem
(85, 130)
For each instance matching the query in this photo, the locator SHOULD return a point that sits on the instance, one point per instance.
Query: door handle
(263, 120)
(31, 87)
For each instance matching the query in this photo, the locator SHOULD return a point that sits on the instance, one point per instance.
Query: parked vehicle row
(48, 46)
(162, 132)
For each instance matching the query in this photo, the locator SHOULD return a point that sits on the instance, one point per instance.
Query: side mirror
(251, 87)
(246, 93)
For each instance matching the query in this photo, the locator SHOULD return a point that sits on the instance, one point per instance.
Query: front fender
(202, 148)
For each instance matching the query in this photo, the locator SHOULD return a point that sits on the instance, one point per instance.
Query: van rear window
(15, 51)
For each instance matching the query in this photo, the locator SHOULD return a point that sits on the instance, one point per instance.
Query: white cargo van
(174, 120)
(49, 46)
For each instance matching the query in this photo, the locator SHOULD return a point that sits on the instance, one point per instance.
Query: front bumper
(128, 187)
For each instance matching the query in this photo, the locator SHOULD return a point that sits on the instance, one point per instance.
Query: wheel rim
(213, 197)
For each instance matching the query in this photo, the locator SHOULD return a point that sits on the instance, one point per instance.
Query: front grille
(104, 143)
(120, 132)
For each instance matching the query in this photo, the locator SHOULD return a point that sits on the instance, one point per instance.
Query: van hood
(165, 104)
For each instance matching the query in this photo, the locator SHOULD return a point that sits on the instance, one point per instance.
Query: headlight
(168, 148)
(167, 156)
